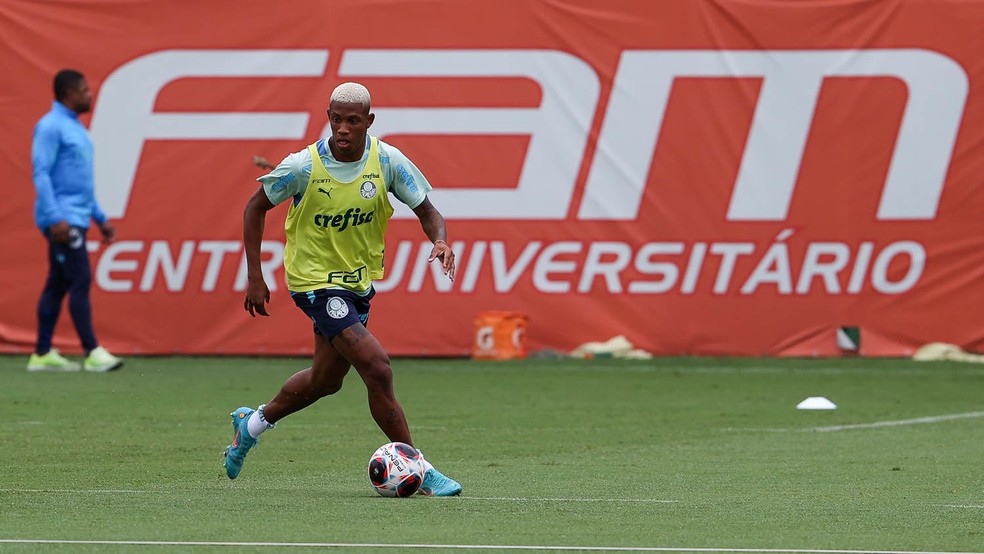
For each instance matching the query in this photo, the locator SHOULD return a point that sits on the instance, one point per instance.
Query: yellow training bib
(335, 234)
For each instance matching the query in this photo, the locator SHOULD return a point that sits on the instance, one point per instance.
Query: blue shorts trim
(333, 310)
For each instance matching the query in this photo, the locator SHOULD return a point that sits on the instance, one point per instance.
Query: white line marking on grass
(78, 491)
(477, 547)
(493, 498)
(972, 506)
(529, 499)
(877, 424)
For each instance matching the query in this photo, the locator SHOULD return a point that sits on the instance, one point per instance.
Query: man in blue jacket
(61, 155)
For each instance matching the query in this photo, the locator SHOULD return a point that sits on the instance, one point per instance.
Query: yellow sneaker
(102, 361)
(51, 361)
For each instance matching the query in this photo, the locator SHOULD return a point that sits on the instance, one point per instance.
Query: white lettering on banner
(160, 260)
(594, 266)
(422, 267)
(109, 264)
(269, 266)
(693, 268)
(120, 263)
(605, 261)
(667, 271)
(773, 268)
(505, 278)
(395, 266)
(216, 249)
(827, 271)
(473, 267)
(791, 81)
(124, 117)
(861, 262)
(613, 266)
(879, 274)
(729, 252)
(546, 263)
(558, 128)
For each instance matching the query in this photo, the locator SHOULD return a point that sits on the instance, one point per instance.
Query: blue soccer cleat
(437, 484)
(235, 453)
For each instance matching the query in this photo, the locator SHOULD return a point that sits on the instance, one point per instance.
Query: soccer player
(338, 190)
(61, 154)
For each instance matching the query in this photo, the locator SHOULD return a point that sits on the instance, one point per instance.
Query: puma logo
(327, 192)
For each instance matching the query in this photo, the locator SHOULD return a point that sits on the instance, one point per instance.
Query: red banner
(703, 177)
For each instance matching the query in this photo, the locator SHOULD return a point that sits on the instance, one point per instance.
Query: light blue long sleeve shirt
(290, 178)
(62, 155)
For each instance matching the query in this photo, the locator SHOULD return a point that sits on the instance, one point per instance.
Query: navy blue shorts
(333, 310)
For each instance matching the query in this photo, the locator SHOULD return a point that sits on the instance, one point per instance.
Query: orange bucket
(500, 335)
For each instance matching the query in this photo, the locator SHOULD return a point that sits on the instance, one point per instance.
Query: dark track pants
(68, 273)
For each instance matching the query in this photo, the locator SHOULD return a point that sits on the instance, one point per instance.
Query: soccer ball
(396, 469)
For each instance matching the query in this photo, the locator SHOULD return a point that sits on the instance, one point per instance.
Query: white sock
(423, 461)
(256, 423)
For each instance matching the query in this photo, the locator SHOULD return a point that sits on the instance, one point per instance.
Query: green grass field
(674, 454)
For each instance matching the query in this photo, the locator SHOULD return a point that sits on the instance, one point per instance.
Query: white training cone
(816, 403)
